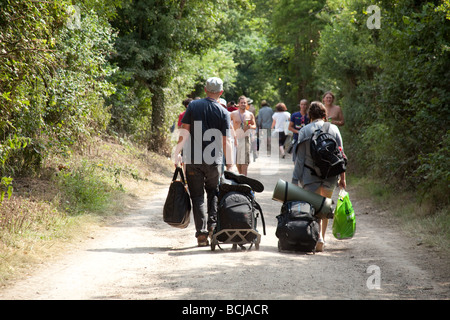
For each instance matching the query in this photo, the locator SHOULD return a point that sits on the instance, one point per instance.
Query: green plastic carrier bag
(344, 223)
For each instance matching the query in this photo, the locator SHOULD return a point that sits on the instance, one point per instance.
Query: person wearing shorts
(306, 179)
(243, 122)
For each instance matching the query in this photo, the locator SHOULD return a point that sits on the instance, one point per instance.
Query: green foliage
(296, 31)
(348, 50)
(245, 38)
(27, 43)
(52, 82)
(88, 188)
(75, 105)
(392, 89)
(434, 172)
(5, 187)
(254, 58)
(152, 37)
(130, 107)
(126, 65)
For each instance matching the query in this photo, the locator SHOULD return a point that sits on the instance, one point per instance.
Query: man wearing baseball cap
(203, 154)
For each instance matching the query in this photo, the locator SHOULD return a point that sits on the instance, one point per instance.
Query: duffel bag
(177, 208)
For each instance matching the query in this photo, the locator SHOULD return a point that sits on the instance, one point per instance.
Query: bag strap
(258, 207)
(326, 127)
(285, 191)
(178, 170)
(285, 195)
(321, 205)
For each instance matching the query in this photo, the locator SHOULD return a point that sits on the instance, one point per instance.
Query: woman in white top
(280, 118)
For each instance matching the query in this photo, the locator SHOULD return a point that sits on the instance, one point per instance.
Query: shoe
(202, 240)
(241, 179)
(319, 245)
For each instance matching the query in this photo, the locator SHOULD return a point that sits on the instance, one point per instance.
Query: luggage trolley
(236, 237)
(234, 185)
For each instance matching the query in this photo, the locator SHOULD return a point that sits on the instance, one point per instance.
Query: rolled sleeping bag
(285, 191)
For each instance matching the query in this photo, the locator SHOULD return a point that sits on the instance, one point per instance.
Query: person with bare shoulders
(334, 112)
(243, 121)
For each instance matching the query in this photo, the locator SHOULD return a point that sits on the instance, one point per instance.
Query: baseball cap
(214, 85)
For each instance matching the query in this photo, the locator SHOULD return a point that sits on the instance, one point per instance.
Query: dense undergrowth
(418, 217)
(70, 195)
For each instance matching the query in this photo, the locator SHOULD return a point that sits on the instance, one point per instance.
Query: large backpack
(328, 158)
(238, 210)
(298, 228)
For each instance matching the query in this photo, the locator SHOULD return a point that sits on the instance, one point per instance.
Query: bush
(395, 97)
(87, 189)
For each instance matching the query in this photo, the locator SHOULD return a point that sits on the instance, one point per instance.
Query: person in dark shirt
(298, 120)
(204, 137)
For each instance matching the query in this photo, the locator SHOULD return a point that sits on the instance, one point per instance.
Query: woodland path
(141, 257)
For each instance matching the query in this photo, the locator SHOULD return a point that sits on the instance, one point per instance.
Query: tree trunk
(158, 140)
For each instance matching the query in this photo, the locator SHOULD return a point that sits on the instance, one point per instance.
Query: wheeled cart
(236, 237)
(237, 212)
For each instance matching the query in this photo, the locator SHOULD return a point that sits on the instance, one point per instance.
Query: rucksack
(297, 229)
(238, 210)
(328, 158)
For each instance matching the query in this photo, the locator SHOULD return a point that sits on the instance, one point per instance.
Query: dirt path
(140, 257)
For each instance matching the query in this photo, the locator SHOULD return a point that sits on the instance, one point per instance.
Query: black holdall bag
(298, 228)
(177, 208)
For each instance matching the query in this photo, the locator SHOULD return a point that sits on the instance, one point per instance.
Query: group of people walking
(231, 143)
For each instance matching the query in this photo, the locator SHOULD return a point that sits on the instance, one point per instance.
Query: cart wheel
(279, 246)
(256, 246)
(213, 246)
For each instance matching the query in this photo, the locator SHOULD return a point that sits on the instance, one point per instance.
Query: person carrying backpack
(311, 177)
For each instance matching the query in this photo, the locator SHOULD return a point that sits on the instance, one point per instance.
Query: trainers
(242, 179)
(202, 240)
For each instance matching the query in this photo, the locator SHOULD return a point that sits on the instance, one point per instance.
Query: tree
(296, 31)
(247, 36)
(52, 80)
(391, 84)
(152, 36)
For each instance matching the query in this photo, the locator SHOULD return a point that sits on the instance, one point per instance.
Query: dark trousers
(201, 178)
